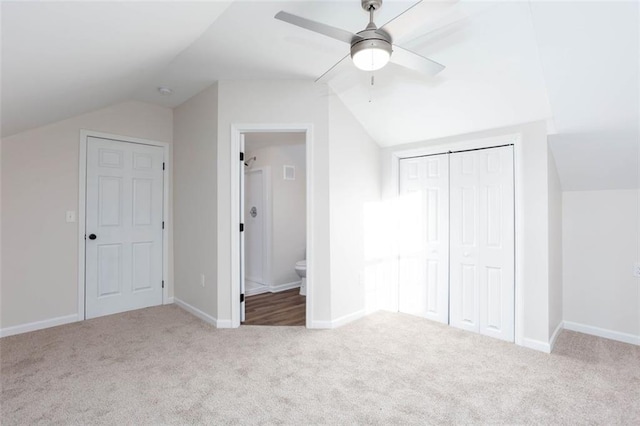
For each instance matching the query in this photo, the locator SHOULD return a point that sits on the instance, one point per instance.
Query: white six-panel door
(456, 260)
(424, 237)
(124, 209)
(482, 242)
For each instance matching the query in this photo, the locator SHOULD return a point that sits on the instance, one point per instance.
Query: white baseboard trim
(536, 345)
(602, 332)
(256, 291)
(346, 319)
(320, 325)
(284, 287)
(339, 322)
(272, 288)
(168, 301)
(38, 325)
(197, 312)
(554, 336)
(224, 323)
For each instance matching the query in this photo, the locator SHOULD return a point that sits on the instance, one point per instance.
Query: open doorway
(273, 199)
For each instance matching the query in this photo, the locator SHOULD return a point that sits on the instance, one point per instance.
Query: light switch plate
(71, 216)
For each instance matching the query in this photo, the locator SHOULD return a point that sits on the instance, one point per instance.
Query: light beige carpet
(162, 365)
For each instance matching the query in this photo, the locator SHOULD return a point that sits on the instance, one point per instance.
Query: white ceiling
(61, 59)
(574, 64)
(590, 55)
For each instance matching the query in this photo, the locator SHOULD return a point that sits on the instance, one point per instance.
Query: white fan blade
(414, 17)
(413, 61)
(331, 72)
(317, 27)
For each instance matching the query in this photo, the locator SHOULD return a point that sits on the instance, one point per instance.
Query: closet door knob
(93, 236)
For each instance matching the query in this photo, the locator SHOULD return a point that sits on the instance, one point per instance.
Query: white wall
(288, 209)
(195, 209)
(354, 179)
(600, 245)
(275, 102)
(555, 249)
(532, 233)
(39, 184)
(0, 224)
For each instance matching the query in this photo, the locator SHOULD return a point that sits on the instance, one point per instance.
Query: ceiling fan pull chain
(371, 89)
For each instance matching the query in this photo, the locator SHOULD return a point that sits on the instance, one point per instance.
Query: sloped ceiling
(61, 59)
(493, 79)
(590, 55)
(574, 64)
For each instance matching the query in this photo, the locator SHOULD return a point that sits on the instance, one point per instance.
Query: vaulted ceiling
(573, 64)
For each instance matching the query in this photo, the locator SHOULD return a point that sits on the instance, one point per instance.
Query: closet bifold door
(482, 248)
(424, 237)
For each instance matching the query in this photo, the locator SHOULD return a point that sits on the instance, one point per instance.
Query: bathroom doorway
(273, 206)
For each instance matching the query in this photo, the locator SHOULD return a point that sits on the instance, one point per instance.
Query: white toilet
(301, 270)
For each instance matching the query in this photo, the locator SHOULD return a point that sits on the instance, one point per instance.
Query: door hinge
(163, 224)
(162, 283)
(242, 298)
(242, 227)
(162, 166)
(242, 156)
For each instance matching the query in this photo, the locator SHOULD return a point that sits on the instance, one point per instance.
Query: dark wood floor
(283, 308)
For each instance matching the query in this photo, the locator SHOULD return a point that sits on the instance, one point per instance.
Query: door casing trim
(236, 130)
(514, 139)
(82, 202)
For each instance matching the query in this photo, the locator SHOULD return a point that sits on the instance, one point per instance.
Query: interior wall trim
(554, 336)
(38, 325)
(202, 315)
(536, 345)
(340, 321)
(286, 286)
(602, 332)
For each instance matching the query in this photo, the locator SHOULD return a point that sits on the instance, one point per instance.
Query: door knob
(92, 237)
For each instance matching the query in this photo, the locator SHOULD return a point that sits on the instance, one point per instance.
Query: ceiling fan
(372, 48)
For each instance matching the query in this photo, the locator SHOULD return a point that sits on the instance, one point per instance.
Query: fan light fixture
(372, 48)
(371, 55)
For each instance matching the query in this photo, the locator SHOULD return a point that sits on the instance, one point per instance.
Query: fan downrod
(368, 5)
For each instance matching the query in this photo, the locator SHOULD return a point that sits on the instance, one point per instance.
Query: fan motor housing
(371, 39)
(367, 5)
(370, 36)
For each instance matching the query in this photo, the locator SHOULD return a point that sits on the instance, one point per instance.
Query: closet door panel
(482, 242)
(464, 238)
(411, 291)
(424, 237)
(497, 245)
